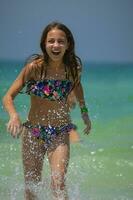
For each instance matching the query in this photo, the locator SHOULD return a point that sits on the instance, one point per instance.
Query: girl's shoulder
(34, 66)
(34, 61)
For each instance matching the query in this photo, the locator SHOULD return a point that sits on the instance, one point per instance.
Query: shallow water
(101, 164)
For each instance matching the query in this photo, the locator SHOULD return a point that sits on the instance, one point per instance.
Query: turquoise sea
(101, 165)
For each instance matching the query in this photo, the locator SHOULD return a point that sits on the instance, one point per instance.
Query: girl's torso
(46, 112)
(49, 99)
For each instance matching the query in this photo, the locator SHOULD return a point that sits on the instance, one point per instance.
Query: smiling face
(56, 44)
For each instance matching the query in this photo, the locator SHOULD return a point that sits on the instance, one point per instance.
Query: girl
(48, 79)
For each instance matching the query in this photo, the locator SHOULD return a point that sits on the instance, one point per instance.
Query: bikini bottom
(48, 133)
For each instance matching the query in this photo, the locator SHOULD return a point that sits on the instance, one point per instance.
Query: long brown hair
(71, 61)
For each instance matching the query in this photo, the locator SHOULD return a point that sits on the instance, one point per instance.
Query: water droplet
(93, 152)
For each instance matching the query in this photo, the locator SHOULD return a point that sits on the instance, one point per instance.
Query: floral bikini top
(50, 89)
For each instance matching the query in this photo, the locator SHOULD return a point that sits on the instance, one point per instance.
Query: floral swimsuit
(52, 90)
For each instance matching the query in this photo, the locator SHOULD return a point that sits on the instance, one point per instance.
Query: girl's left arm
(78, 90)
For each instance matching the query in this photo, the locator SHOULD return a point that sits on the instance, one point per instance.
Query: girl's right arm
(14, 123)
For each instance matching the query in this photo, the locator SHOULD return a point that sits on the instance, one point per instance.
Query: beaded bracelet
(84, 109)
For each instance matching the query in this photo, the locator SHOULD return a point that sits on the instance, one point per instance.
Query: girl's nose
(56, 44)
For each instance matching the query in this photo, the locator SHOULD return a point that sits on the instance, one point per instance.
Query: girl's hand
(14, 126)
(87, 123)
(88, 127)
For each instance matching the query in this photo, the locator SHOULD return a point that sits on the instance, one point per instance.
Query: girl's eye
(61, 41)
(50, 41)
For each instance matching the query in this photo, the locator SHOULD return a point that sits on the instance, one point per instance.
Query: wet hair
(71, 61)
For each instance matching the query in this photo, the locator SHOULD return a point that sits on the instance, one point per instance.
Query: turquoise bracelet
(84, 109)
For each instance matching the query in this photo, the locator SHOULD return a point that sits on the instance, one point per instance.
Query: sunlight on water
(101, 164)
(90, 176)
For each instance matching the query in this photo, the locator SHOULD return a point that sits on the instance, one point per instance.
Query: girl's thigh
(59, 153)
(33, 152)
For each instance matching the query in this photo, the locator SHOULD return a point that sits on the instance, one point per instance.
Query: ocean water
(101, 165)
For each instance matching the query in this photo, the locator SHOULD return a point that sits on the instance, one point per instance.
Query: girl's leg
(33, 154)
(58, 156)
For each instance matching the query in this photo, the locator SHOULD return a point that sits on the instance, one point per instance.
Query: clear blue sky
(103, 29)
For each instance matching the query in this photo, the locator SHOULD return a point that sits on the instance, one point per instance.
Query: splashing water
(101, 164)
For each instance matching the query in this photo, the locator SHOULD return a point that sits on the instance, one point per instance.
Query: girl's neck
(56, 65)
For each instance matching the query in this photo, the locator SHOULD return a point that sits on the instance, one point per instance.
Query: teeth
(56, 52)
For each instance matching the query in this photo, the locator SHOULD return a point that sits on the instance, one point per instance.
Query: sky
(103, 29)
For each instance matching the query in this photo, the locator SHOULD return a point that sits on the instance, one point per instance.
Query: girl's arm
(78, 90)
(12, 92)
(14, 123)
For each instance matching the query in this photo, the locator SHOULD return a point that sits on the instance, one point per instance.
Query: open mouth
(56, 53)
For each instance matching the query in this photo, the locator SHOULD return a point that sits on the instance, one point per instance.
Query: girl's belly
(47, 112)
